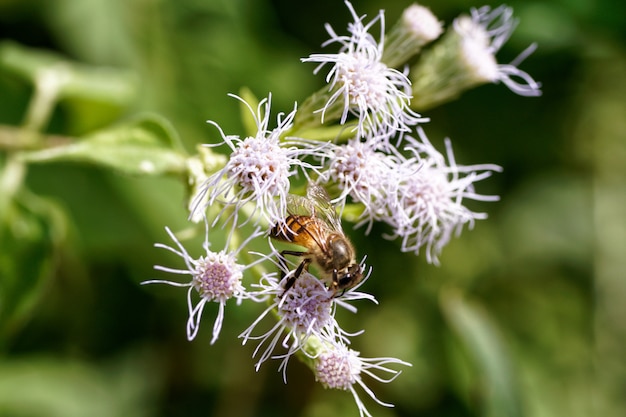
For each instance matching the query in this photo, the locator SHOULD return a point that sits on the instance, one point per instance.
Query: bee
(312, 222)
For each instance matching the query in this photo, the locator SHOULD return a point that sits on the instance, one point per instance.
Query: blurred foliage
(523, 318)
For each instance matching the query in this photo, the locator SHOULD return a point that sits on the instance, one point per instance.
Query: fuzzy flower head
(465, 58)
(430, 193)
(484, 34)
(215, 277)
(363, 173)
(307, 306)
(422, 23)
(258, 168)
(362, 85)
(338, 367)
(304, 311)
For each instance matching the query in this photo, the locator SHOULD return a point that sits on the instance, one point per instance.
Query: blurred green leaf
(100, 30)
(145, 146)
(71, 79)
(480, 339)
(91, 95)
(550, 218)
(26, 62)
(31, 232)
(551, 25)
(53, 387)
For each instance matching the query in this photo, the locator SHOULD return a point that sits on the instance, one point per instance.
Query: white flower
(306, 310)
(464, 58)
(215, 277)
(258, 168)
(482, 37)
(338, 367)
(422, 23)
(417, 27)
(362, 85)
(428, 207)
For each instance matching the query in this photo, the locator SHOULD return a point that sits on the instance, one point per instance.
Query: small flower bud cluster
(379, 165)
(464, 58)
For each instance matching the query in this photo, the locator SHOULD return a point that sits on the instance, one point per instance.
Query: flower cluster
(381, 167)
(420, 195)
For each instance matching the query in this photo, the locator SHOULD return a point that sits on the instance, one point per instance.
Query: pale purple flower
(215, 277)
(338, 367)
(364, 173)
(429, 203)
(420, 195)
(362, 85)
(306, 310)
(258, 168)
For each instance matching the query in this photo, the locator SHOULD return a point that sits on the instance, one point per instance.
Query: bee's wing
(322, 206)
(299, 206)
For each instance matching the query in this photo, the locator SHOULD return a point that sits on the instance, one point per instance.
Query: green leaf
(493, 371)
(69, 79)
(31, 232)
(146, 146)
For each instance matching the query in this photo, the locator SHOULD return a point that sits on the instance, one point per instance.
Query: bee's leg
(335, 285)
(296, 274)
(283, 267)
(283, 261)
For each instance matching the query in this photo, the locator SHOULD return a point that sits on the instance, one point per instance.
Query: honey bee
(313, 223)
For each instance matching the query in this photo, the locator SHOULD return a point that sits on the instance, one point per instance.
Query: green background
(524, 317)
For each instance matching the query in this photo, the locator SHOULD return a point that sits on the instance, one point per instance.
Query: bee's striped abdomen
(290, 228)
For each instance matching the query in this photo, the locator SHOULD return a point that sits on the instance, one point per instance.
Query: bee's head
(347, 278)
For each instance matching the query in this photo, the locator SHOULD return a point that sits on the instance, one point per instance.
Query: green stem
(47, 86)
(11, 180)
(18, 139)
